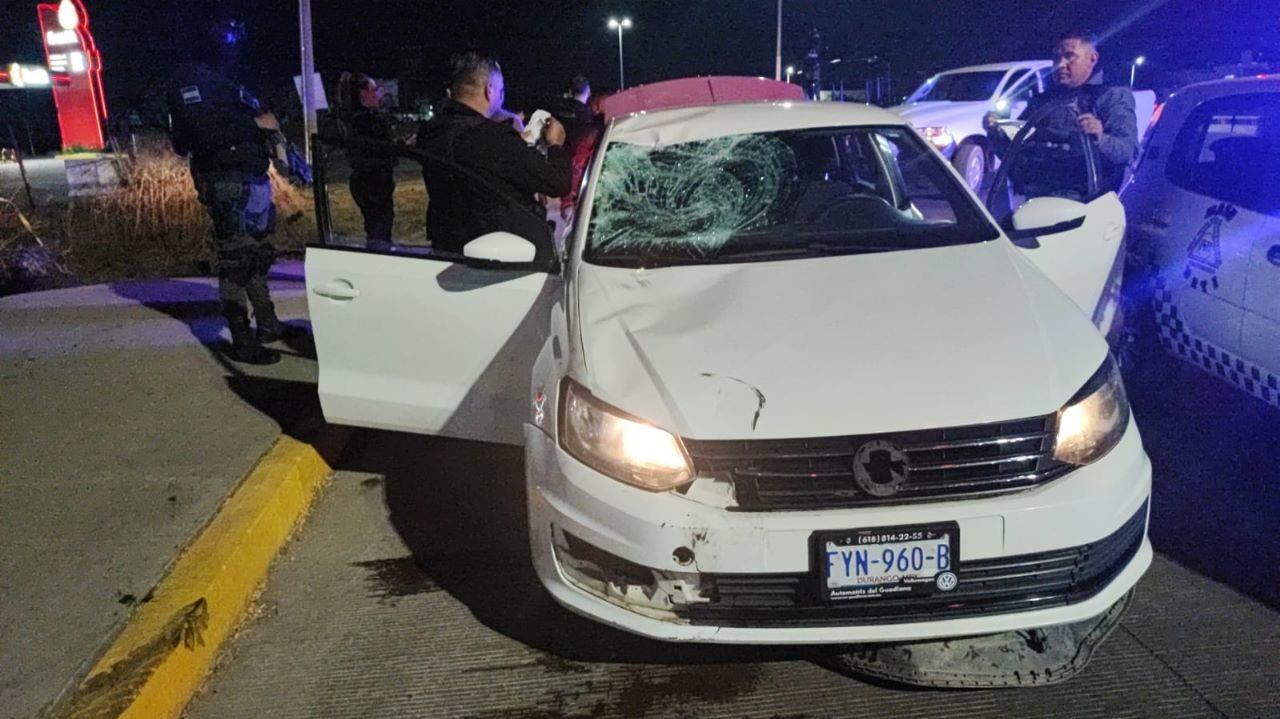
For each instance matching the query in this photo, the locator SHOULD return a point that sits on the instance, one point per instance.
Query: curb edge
(164, 652)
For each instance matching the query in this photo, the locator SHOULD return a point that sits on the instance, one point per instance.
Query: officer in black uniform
(372, 183)
(481, 176)
(224, 131)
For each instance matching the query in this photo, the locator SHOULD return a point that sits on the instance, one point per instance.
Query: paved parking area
(409, 594)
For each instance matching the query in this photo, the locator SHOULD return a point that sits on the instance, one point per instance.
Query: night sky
(541, 43)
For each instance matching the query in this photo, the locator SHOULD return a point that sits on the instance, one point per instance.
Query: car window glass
(1023, 89)
(959, 87)
(1229, 149)
(848, 189)
(1045, 79)
(1014, 87)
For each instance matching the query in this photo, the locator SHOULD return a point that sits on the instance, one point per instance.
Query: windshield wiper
(642, 261)
(812, 249)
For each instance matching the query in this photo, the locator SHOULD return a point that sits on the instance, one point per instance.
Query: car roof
(998, 66)
(697, 91)
(1242, 84)
(688, 124)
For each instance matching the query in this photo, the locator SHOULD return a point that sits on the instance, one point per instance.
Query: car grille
(987, 586)
(950, 463)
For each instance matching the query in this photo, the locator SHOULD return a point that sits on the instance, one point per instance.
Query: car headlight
(939, 137)
(618, 445)
(1092, 423)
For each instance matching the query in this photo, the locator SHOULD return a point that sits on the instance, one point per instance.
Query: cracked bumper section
(655, 564)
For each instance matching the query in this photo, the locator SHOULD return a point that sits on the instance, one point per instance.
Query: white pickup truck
(948, 109)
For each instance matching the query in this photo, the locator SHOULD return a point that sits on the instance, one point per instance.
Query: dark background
(542, 43)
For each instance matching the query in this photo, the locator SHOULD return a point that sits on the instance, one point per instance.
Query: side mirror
(1042, 216)
(500, 248)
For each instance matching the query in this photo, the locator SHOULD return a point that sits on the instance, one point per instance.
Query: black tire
(970, 161)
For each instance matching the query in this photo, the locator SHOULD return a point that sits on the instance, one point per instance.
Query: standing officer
(1083, 104)
(372, 183)
(224, 131)
(481, 176)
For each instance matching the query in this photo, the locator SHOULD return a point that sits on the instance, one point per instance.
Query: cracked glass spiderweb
(691, 196)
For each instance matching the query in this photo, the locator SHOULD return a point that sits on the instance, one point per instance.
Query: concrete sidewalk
(121, 432)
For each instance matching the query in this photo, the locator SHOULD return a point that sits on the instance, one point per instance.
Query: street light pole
(777, 58)
(308, 73)
(1133, 68)
(620, 25)
(791, 70)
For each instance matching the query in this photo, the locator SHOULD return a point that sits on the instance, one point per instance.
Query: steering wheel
(872, 205)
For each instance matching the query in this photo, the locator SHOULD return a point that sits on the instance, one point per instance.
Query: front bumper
(695, 548)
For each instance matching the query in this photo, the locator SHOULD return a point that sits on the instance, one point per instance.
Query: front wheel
(971, 162)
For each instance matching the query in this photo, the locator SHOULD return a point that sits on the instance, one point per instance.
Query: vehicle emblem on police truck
(1204, 254)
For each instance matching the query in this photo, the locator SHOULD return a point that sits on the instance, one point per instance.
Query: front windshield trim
(972, 224)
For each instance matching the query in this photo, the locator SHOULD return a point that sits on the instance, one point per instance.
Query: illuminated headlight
(1092, 423)
(939, 137)
(623, 447)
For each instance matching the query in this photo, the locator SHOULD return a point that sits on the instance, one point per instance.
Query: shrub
(154, 225)
(27, 261)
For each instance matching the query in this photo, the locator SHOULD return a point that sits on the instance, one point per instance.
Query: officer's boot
(270, 328)
(244, 345)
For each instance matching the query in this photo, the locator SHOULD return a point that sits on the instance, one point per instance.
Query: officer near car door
(1083, 104)
(223, 130)
(481, 176)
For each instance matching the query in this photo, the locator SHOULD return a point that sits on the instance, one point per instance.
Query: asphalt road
(409, 594)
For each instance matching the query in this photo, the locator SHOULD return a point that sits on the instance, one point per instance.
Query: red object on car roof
(695, 91)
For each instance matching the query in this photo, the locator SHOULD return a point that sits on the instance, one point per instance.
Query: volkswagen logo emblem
(880, 467)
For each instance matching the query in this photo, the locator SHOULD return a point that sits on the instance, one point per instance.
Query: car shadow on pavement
(460, 508)
(1215, 457)
(292, 404)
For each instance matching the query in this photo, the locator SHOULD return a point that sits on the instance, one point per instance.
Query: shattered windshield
(777, 195)
(959, 87)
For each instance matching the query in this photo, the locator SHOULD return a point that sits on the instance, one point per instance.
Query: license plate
(889, 561)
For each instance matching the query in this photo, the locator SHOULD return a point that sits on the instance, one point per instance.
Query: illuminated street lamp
(1133, 67)
(791, 70)
(620, 25)
(777, 58)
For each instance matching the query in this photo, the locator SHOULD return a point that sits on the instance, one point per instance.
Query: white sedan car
(790, 383)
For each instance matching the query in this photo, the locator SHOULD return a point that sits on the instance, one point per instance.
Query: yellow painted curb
(167, 648)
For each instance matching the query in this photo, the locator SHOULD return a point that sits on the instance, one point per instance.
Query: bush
(27, 261)
(152, 225)
(155, 226)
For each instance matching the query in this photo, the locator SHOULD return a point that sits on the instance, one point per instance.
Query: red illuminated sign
(71, 53)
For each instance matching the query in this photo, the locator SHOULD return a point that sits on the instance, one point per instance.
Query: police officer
(372, 182)
(224, 131)
(481, 177)
(1082, 104)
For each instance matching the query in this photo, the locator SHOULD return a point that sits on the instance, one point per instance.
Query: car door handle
(338, 290)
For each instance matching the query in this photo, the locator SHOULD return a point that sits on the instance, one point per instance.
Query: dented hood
(834, 345)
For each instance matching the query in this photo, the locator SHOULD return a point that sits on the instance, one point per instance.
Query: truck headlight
(939, 137)
(618, 445)
(1092, 423)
